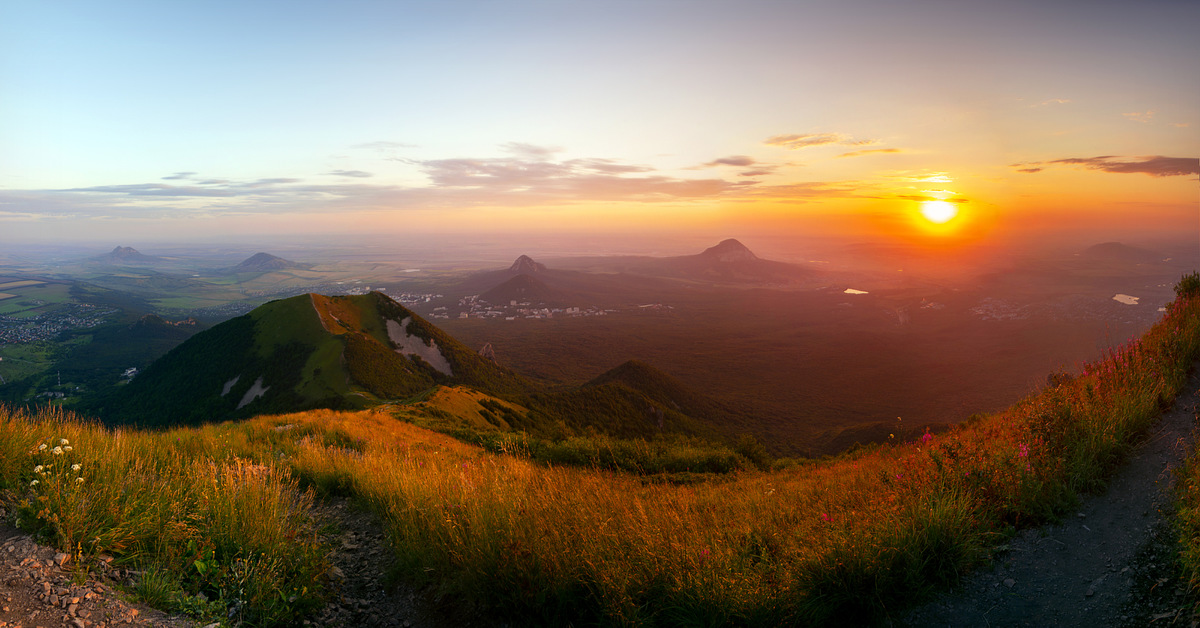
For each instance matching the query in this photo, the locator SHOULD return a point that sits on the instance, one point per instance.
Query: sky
(128, 122)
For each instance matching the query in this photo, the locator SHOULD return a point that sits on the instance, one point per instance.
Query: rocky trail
(1110, 563)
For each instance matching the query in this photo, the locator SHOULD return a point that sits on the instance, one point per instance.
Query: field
(34, 298)
(854, 538)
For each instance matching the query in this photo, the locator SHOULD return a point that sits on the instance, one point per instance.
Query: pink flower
(825, 518)
(926, 437)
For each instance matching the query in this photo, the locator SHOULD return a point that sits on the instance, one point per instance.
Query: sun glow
(938, 212)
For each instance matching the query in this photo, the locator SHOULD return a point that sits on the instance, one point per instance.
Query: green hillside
(304, 352)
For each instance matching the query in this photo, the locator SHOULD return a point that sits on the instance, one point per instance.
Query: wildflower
(58, 451)
(926, 437)
(75, 467)
(1023, 451)
(42, 447)
(38, 469)
(79, 480)
(64, 442)
(33, 483)
(825, 517)
(68, 448)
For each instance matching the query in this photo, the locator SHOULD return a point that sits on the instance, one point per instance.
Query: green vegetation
(853, 539)
(239, 532)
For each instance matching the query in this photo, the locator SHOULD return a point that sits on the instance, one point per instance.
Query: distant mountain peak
(729, 250)
(260, 262)
(125, 254)
(526, 266)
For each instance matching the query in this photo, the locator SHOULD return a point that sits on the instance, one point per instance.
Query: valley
(809, 359)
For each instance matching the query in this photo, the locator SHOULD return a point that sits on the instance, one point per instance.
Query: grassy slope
(853, 538)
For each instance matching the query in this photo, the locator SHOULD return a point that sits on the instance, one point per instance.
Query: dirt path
(39, 588)
(1110, 563)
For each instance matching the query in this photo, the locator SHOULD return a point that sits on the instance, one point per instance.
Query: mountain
(635, 400)
(1119, 253)
(126, 255)
(524, 288)
(265, 262)
(524, 281)
(728, 262)
(524, 265)
(728, 251)
(308, 351)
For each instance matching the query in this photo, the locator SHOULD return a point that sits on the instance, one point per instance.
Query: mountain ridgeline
(307, 351)
(348, 352)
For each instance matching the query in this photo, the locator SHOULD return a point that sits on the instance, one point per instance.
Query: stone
(1009, 582)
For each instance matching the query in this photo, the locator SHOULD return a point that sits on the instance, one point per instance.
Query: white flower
(75, 467)
(38, 469)
(42, 447)
(68, 448)
(64, 442)
(33, 483)
(57, 451)
(79, 480)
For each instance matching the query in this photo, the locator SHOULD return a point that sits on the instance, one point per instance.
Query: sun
(938, 212)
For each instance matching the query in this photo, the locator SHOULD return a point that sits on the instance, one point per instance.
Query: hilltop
(728, 262)
(265, 262)
(126, 255)
(303, 352)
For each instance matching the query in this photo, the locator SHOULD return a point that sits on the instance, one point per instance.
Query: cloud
(793, 142)
(912, 176)
(514, 178)
(179, 175)
(733, 160)
(1180, 125)
(1140, 116)
(1053, 101)
(359, 174)
(1155, 166)
(154, 189)
(804, 140)
(268, 182)
(530, 151)
(860, 153)
(757, 172)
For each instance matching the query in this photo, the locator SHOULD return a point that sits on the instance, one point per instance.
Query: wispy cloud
(530, 151)
(1155, 166)
(871, 151)
(1180, 125)
(1052, 101)
(805, 140)
(732, 160)
(1140, 116)
(359, 174)
(756, 168)
(179, 175)
(921, 176)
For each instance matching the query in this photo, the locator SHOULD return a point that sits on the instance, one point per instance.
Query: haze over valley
(814, 356)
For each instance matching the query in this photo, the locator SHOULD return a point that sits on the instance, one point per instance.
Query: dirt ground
(1109, 563)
